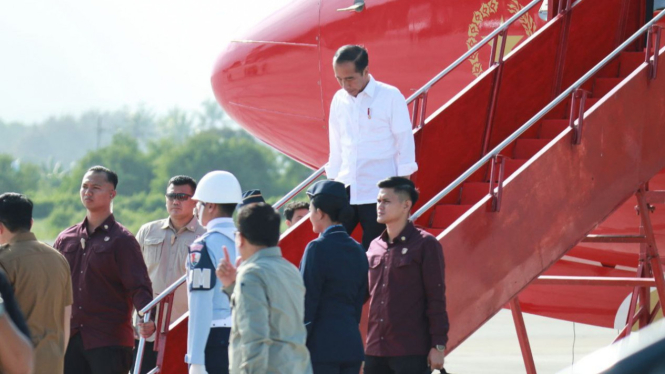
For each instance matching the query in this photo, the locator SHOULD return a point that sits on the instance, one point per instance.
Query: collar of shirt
(261, 253)
(191, 225)
(219, 221)
(106, 226)
(403, 237)
(333, 229)
(22, 237)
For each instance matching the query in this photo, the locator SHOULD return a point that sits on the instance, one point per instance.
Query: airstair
(571, 131)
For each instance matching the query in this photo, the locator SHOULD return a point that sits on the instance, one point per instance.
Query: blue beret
(327, 187)
(250, 197)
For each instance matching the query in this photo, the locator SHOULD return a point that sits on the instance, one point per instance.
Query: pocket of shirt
(152, 250)
(404, 261)
(375, 269)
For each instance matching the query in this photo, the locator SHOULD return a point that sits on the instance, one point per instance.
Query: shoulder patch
(200, 269)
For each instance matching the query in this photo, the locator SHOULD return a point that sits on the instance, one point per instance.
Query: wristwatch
(440, 348)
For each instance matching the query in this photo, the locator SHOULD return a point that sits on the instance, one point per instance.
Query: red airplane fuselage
(277, 81)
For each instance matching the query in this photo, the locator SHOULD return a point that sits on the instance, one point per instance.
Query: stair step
(629, 62)
(510, 168)
(527, 148)
(551, 128)
(444, 215)
(602, 86)
(472, 192)
(611, 70)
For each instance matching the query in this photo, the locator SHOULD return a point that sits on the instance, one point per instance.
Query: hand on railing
(146, 329)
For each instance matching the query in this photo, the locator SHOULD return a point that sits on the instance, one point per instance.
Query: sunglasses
(178, 196)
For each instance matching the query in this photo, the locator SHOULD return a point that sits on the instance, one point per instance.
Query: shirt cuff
(228, 290)
(404, 170)
(439, 340)
(331, 172)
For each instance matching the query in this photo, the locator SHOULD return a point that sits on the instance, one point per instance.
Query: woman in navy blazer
(334, 268)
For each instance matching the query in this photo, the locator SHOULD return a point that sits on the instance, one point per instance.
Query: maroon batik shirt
(109, 279)
(407, 313)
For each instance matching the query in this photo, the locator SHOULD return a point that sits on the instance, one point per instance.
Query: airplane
(547, 225)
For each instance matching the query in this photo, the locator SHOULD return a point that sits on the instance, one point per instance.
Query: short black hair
(111, 176)
(292, 207)
(259, 224)
(353, 53)
(227, 209)
(402, 186)
(337, 208)
(15, 212)
(181, 180)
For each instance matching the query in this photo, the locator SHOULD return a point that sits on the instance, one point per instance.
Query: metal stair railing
(654, 40)
(419, 99)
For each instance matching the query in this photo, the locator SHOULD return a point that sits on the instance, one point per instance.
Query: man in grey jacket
(268, 303)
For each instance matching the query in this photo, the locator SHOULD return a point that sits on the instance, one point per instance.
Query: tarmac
(555, 344)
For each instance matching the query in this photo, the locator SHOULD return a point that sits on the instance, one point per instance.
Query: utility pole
(100, 129)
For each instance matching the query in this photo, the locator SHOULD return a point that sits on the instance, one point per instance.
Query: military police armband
(200, 269)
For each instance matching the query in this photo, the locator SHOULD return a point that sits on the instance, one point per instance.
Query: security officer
(334, 270)
(209, 323)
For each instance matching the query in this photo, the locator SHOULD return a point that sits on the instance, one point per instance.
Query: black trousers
(149, 357)
(217, 351)
(397, 365)
(336, 368)
(365, 214)
(104, 360)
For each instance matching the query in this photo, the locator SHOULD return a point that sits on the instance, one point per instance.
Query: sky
(69, 56)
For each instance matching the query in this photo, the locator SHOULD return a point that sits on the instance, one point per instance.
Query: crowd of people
(75, 307)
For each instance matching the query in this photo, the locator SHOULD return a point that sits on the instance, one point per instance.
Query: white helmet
(218, 187)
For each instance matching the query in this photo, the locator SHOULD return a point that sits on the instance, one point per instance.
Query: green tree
(123, 156)
(17, 176)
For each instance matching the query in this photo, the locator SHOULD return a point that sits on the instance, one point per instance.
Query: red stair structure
(573, 130)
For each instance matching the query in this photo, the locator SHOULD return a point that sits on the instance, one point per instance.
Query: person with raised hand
(267, 299)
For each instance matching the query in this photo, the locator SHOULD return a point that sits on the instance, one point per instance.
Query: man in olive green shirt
(41, 279)
(267, 300)
(164, 245)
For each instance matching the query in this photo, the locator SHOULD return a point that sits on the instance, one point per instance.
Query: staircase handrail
(457, 182)
(504, 26)
(305, 183)
(418, 113)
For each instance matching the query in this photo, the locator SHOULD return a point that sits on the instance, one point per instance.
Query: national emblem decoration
(486, 10)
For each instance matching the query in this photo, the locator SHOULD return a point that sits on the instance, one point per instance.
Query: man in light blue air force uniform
(217, 196)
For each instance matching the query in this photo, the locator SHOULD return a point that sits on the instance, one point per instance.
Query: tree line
(145, 153)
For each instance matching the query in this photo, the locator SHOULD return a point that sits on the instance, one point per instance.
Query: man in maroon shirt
(109, 278)
(408, 322)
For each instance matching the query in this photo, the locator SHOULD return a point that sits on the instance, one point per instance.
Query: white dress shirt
(371, 139)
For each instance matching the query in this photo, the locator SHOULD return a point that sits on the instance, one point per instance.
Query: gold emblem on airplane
(486, 10)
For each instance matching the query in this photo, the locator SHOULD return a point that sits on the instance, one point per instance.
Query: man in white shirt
(371, 137)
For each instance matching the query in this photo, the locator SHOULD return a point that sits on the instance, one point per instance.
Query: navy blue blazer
(334, 269)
